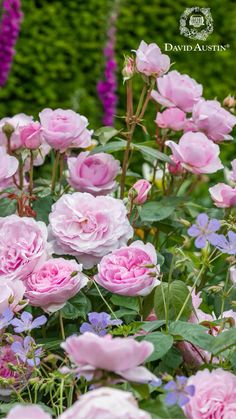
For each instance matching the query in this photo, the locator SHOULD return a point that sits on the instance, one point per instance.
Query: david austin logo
(196, 23)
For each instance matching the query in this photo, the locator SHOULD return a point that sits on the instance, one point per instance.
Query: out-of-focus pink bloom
(177, 90)
(233, 274)
(130, 271)
(8, 167)
(233, 172)
(28, 412)
(141, 188)
(11, 293)
(31, 135)
(93, 173)
(196, 153)
(215, 395)
(150, 61)
(17, 121)
(54, 283)
(105, 403)
(224, 196)
(171, 118)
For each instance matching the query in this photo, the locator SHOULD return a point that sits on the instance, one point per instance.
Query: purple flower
(98, 323)
(204, 230)
(6, 318)
(226, 244)
(178, 392)
(27, 351)
(26, 322)
(9, 31)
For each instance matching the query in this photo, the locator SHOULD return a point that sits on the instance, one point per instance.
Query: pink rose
(8, 167)
(93, 173)
(31, 136)
(122, 356)
(53, 283)
(175, 168)
(130, 271)
(23, 243)
(105, 403)
(150, 61)
(88, 227)
(209, 117)
(17, 121)
(196, 153)
(141, 188)
(11, 293)
(232, 272)
(233, 172)
(64, 128)
(171, 118)
(27, 412)
(215, 395)
(224, 196)
(177, 90)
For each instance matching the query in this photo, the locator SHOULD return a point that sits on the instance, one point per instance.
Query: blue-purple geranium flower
(26, 322)
(6, 318)
(99, 323)
(204, 230)
(178, 392)
(27, 351)
(226, 244)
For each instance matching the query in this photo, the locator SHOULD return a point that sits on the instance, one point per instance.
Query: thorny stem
(54, 170)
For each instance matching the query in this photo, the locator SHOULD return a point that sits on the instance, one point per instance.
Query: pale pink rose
(171, 118)
(17, 121)
(11, 294)
(232, 272)
(233, 172)
(141, 187)
(224, 196)
(175, 168)
(122, 356)
(150, 61)
(88, 227)
(215, 395)
(93, 173)
(130, 271)
(27, 412)
(31, 135)
(177, 90)
(196, 153)
(209, 117)
(8, 167)
(64, 128)
(105, 403)
(54, 283)
(23, 244)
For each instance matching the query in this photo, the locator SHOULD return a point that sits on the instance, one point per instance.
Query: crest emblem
(196, 23)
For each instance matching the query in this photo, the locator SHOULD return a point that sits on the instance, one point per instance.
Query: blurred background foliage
(59, 55)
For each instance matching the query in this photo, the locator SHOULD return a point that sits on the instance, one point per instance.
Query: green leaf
(69, 311)
(158, 210)
(193, 333)
(7, 207)
(224, 341)
(50, 343)
(110, 147)
(162, 343)
(152, 152)
(150, 326)
(104, 134)
(123, 312)
(174, 299)
(159, 410)
(82, 304)
(42, 207)
(127, 302)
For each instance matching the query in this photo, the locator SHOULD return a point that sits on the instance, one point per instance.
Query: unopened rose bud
(229, 101)
(184, 222)
(141, 187)
(129, 68)
(175, 169)
(232, 273)
(8, 130)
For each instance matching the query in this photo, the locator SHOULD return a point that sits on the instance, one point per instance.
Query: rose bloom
(23, 243)
(17, 121)
(150, 61)
(209, 117)
(93, 173)
(64, 128)
(233, 172)
(8, 167)
(11, 294)
(224, 196)
(141, 188)
(88, 227)
(31, 136)
(130, 271)
(53, 283)
(27, 412)
(171, 118)
(177, 90)
(122, 356)
(215, 395)
(196, 153)
(105, 403)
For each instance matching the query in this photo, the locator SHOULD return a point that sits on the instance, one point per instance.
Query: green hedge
(59, 54)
